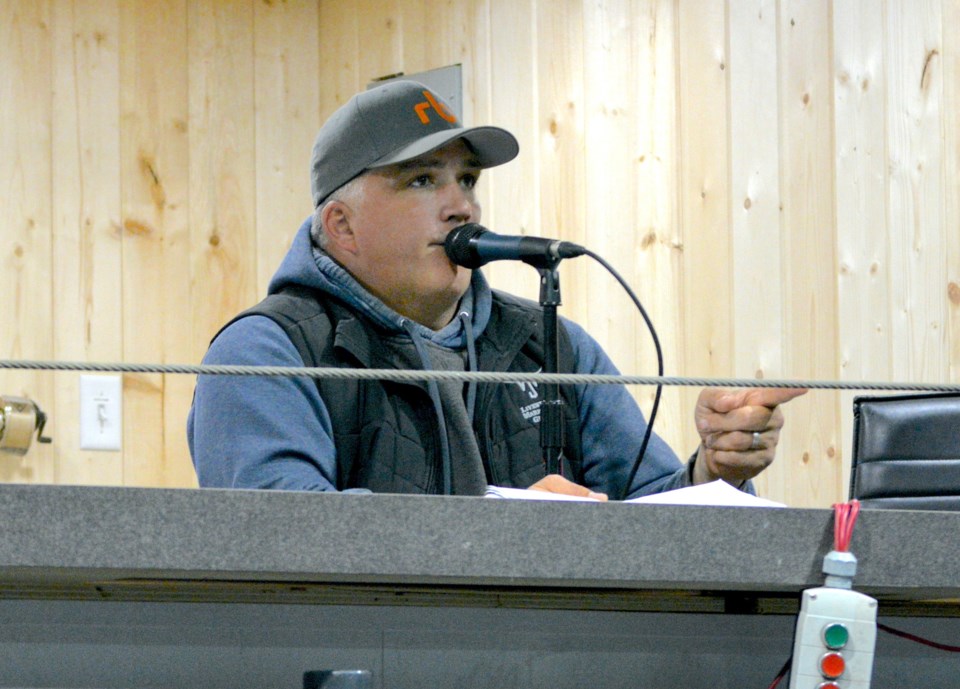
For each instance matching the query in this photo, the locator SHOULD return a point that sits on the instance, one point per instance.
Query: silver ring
(755, 442)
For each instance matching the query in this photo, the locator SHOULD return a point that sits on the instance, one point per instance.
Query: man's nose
(459, 204)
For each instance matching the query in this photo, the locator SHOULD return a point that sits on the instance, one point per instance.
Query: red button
(832, 665)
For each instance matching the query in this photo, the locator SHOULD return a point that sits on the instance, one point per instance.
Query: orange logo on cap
(421, 109)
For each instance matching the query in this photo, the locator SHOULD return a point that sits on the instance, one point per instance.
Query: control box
(834, 641)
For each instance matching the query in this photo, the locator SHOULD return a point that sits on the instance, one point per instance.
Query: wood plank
(631, 194)
(706, 338)
(222, 165)
(561, 126)
(513, 75)
(222, 190)
(657, 242)
(286, 68)
(951, 113)
(808, 471)
(473, 20)
(86, 211)
(381, 49)
(863, 249)
(915, 150)
(156, 249)
(339, 53)
(610, 142)
(755, 189)
(26, 237)
(755, 202)
(421, 46)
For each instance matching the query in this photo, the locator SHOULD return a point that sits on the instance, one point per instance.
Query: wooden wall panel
(755, 189)
(612, 162)
(286, 64)
(339, 54)
(86, 216)
(561, 114)
(415, 17)
(809, 468)
(378, 34)
(222, 161)
(515, 186)
(222, 194)
(706, 334)
(951, 175)
(157, 288)
(26, 221)
(657, 236)
(863, 246)
(916, 192)
(472, 21)
(425, 48)
(775, 178)
(630, 190)
(755, 203)
(609, 143)
(560, 91)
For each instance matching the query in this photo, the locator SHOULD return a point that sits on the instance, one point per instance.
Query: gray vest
(386, 433)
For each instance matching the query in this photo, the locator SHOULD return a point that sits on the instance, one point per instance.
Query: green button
(835, 635)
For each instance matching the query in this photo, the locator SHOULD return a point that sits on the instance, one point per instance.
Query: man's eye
(421, 181)
(468, 181)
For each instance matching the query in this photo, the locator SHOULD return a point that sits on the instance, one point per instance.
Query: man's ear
(335, 218)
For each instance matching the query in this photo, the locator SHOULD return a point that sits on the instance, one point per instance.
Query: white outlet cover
(101, 412)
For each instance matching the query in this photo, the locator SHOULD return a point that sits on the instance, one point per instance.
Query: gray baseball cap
(393, 123)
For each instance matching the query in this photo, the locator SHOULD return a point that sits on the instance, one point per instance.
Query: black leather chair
(906, 452)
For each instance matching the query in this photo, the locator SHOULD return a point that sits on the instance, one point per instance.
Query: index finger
(771, 397)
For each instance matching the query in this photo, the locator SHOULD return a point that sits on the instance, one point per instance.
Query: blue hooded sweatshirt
(275, 432)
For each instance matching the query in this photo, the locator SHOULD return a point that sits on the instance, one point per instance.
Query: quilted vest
(386, 433)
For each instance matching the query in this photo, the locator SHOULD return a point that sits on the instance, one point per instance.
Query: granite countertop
(73, 541)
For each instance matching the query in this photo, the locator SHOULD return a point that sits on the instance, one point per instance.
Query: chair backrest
(906, 452)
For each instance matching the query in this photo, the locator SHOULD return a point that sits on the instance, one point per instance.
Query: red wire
(780, 675)
(918, 639)
(844, 519)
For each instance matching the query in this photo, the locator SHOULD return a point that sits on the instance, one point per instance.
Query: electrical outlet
(101, 412)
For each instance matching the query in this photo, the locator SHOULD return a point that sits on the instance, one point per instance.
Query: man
(367, 284)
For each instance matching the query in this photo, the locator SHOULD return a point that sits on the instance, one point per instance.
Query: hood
(306, 266)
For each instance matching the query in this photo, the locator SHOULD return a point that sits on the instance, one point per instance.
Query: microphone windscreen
(457, 245)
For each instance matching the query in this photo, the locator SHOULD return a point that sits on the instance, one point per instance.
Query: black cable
(780, 675)
(656, 344)
(918, 639)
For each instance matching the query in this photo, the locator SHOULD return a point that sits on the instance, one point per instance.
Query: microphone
(473, 245)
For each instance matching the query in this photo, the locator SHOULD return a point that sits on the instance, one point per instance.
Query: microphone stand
(466, 247)
(551, 410)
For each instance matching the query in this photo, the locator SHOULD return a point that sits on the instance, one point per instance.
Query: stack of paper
(718, 493)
